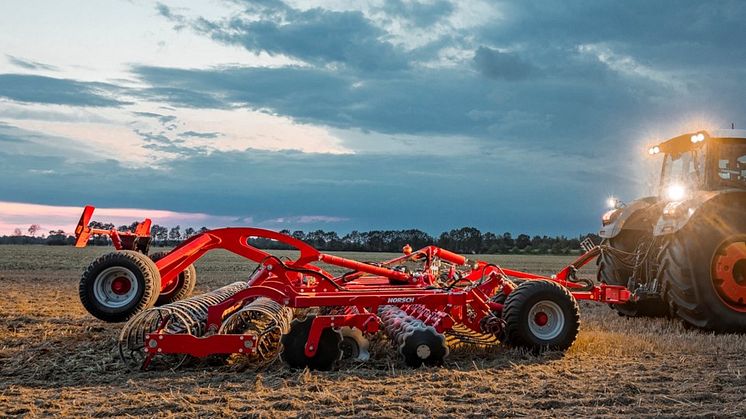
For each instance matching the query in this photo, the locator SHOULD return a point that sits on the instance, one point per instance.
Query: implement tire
(541, 315)
(703, 271)
(181, 288)
(118, 285)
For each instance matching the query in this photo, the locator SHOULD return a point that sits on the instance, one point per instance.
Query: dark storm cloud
(372, 183)
(554, 121)
(41, 89)
(668, 32)
(163, 119)
(422, 14)
(430, 102)
(501, 65)
(29, 64)
(196, 134)
(316, 36)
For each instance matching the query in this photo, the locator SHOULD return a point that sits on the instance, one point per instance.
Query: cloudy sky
(508, 116)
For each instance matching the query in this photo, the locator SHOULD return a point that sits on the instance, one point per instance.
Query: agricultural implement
(424, 301)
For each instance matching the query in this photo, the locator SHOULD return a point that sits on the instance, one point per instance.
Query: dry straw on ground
(57, 360)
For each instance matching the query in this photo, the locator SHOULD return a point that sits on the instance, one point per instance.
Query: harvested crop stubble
(55, 359)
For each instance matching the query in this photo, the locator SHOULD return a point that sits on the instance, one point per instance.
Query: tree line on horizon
(463, 240)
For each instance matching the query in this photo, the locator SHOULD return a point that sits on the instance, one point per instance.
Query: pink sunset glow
(50, 217)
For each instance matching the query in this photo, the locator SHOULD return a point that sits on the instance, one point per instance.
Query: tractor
(682, 252)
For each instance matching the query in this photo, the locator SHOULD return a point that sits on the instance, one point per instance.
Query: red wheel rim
(541, 318)
(171, 287)
(121, 285)
(729, 274)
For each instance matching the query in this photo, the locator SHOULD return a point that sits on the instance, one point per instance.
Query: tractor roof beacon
(683, 252)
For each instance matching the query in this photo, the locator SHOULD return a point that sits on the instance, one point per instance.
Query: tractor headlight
(674, 209)
(697, 138)
(676, 192)
(612, 202)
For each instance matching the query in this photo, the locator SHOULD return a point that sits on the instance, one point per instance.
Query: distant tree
(17, 232)
(123, 228)
(175, 233)
(508, 240)
(159, 233)
(189, 232)
(203, 229)
(522, 241)
(33, 229)
(57, 238)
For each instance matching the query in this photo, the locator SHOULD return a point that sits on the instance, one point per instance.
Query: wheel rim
(115, 287)
(170, 288)
(546, 320)
(729, 274)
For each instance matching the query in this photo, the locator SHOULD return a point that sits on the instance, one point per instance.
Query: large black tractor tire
(698, 262)
(118, 285)
(180, 289)
(541, 315)
(613, 271)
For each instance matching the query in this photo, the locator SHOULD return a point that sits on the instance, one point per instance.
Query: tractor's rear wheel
(179, 289)
(615, 267)
(703, 271)
(541, 315)
(118, 285)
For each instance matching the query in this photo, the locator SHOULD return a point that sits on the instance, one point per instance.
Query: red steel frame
(301, 284)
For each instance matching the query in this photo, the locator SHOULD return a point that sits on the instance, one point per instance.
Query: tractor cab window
(731, 168)
(686, 169)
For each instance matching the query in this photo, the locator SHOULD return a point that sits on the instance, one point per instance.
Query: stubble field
(55, 359)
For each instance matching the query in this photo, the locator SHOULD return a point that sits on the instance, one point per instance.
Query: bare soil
(55, 359)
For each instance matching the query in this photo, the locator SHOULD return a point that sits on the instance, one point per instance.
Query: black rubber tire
(184, 286)
(294, 347)
(145, 272)
(516, 315)
(500, 296)
(686, 276)
(611, 271)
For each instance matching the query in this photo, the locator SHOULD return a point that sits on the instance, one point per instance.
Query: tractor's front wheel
(118, 285)
(616, 266)
(541, 315)
(703, 271)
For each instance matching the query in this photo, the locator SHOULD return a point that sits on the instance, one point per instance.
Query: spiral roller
(185, 316)
(266, 319)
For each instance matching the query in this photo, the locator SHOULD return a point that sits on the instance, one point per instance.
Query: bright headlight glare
(676, 192)
(612, 202)
(697, 138)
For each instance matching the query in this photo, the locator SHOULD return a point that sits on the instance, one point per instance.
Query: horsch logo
(399, 300)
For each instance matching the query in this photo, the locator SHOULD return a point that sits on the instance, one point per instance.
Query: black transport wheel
(703, 271)
(118, 285)
(294, 346)
(179, 289)
(615, 268)
(541, 315)
(500, 296)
